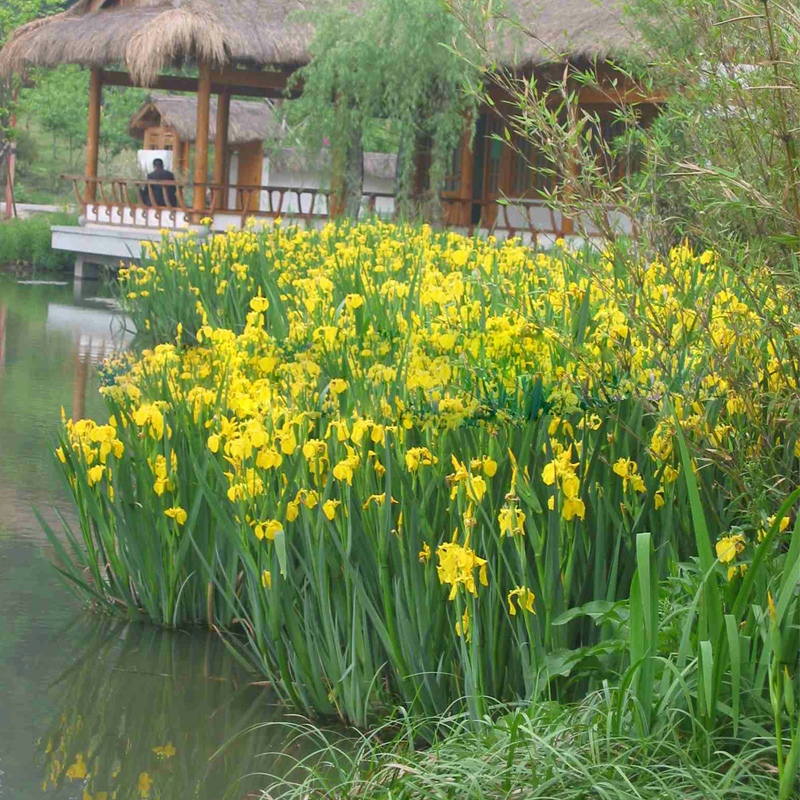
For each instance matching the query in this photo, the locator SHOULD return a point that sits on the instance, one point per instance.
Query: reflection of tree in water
(3, 316)
(146, 715)
(3, 323)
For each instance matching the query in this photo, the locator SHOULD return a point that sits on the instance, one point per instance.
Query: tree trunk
(354, 174)
(406, 180)
(5, 120)
(432, 210)
(7, 157)
(5, 150)
(347, 163)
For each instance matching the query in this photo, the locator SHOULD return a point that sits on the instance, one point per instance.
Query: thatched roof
(249, 121)
(299, 159)
(146, 36)
(537, 32)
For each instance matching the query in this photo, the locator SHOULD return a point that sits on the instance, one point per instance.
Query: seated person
(156, 192)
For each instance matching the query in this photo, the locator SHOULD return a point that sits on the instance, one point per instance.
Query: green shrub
(540, 753)
(27, 241)
(27, 150)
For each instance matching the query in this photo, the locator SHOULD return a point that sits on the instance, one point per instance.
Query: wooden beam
(93, 132)
(238, 82)
(249, 91)
(221, 147)
(170, 83)
(201, 143)
(246, 78)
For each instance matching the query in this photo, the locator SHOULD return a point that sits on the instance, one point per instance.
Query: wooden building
(251, 48)
(498, 180)
(169, 123)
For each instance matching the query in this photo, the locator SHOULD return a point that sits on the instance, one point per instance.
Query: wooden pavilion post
(571, 168)
(93, 133)
(221, 149)
(201, 144)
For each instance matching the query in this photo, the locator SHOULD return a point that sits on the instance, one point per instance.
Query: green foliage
(629, 740)
(119, 105)
(14, 13)
(693, 171)
(28, 241)
(27, 151)
(718, 163)
(725, 150)
(39, 180)
(395, 61)
(58, 102)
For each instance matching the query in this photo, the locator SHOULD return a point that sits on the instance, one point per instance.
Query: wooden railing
(121, 201)
(530, 219)
(170, 204)
(527, 219)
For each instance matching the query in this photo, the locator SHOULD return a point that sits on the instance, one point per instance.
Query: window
(479, 162)
(605, 130)
(494, 153)
(530, 175)
(452, 178)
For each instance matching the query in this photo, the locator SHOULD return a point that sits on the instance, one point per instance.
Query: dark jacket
(157, 192)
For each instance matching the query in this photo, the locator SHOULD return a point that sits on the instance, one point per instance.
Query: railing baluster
(80, 199)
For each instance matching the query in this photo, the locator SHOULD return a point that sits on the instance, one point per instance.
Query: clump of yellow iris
(374, 378)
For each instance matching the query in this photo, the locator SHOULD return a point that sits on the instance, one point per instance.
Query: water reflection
(48, 345)
(87, 705)
(144, 714)
(3, 316)
(96, 334)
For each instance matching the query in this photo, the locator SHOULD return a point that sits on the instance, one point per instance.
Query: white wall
(302, 202)
(233, 176)
(147, 157)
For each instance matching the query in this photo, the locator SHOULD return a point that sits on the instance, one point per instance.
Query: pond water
(91, 708)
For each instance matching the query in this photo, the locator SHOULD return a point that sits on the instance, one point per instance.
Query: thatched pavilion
(251, 48)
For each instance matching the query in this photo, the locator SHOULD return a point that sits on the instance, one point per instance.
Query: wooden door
(251, 160)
